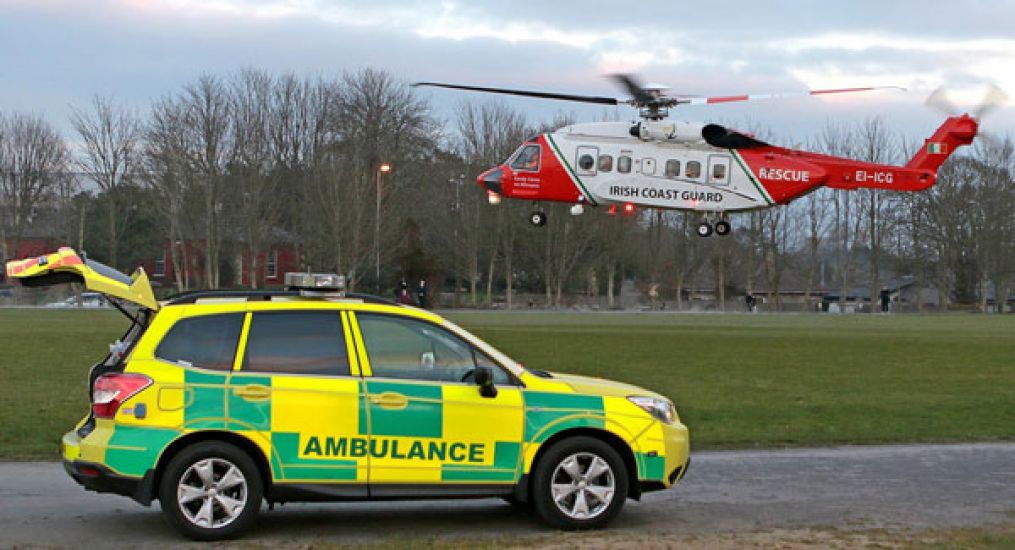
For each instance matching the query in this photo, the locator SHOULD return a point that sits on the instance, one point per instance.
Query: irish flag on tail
(936, 148)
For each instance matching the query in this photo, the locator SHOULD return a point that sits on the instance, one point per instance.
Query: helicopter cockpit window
(624, 164)
(693, 169)
(672, 168)
(527, 159)
(605, 163)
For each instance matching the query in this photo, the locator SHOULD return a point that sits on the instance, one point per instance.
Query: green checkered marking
(249, 415)
(133, 450)
(423, 417)
(548, 413)
(504, 468)
(287, 445)
(205, 400)
(652, 467)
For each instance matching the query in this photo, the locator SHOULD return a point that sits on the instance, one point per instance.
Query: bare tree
(33, 159)
(487, 134)
(208, 119)
(168, 174)
(109, 135)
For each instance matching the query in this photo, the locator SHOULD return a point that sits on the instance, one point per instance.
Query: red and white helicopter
(705, 168)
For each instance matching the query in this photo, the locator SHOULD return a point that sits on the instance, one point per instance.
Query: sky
(55, 54)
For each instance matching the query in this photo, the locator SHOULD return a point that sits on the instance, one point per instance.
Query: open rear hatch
(66, 266)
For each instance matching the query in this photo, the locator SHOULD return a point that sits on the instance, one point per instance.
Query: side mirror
(484, 379)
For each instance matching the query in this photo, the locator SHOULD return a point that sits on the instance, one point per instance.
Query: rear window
(297, 342)
(207, 342)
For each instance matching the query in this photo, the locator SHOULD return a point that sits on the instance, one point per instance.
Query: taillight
(111, 390)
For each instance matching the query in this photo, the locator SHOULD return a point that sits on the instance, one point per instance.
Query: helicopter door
(718, 170)
(648, 166)
(586, 160)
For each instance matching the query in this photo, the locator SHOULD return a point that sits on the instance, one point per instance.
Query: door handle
(390, 400)
(253, 392)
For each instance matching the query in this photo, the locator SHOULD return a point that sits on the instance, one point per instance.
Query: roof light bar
(324, 282)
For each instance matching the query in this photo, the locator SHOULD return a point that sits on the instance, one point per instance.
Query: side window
(719, 172)
(207, 342)
(499, 376)
(527, 159)
(416, 350)
(693, 170)
(605, 163)
(297, 342)
(672, 168)
(587, 160)
(624, 164)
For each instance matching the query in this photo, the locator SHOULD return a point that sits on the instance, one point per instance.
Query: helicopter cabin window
(672, 168)
(624, 164)
(693, 170)
(605, 163)
(527, 159)
(587, 160)
(718, 169)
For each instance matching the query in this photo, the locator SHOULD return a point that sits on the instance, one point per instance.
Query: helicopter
(702, 167)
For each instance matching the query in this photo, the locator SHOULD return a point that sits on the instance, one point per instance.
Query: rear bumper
(98, 478)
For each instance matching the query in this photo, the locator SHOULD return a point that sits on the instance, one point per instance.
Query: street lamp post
(384, 168)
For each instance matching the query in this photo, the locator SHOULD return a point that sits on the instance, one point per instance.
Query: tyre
(211, 491)
(580, 483)
(704, 229)
(722, 228)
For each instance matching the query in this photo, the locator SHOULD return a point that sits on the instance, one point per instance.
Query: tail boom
(955, 132)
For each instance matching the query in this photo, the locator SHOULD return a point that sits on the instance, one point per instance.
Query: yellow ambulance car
(216, 401)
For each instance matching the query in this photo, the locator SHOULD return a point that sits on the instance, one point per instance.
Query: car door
(297, 393)
(431, 432)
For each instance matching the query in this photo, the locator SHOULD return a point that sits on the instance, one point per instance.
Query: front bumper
(677, 443)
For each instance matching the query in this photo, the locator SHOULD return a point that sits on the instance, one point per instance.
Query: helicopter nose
(491, 180)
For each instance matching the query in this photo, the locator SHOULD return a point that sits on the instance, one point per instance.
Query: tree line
(251, 161)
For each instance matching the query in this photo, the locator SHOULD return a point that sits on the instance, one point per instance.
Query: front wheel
(580, 483)
(211, 491)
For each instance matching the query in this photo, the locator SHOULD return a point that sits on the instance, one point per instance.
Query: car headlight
(660, 409)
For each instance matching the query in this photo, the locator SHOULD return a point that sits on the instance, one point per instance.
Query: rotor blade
(995, 98)
(633, 87)
(756, 97)
(524, 93)
(938, 100)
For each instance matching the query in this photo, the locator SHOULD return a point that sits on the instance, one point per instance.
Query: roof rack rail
(262, 295)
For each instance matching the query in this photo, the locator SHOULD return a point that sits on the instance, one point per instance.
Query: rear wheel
(211, 491)
(580, 483)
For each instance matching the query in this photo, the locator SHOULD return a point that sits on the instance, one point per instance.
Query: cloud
(58, 52)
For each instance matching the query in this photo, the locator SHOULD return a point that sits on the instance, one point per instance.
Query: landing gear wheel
(722, 228)
(580, 483)
(704, 229)
(211, 491)
(537, 218)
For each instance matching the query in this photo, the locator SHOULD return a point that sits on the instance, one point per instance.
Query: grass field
(737, 380)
